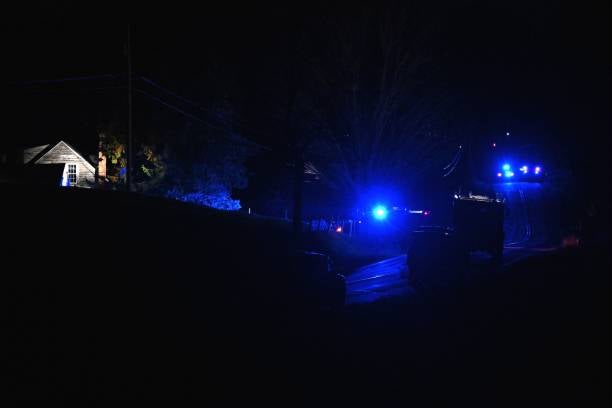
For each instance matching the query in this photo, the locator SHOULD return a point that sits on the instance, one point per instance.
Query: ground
(170, 311)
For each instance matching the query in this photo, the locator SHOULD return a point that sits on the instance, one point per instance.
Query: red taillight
(570, 241)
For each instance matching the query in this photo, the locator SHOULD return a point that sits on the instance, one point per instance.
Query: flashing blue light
(499, 174)
(506, 167)
(537, 170)
(380, 212)
(509, 174)
(524, 169)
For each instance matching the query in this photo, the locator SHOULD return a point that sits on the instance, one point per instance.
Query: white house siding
(62, 153)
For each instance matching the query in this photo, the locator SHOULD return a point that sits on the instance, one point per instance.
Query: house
(58, 164)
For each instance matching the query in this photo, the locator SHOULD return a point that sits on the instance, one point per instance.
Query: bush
(218, 198)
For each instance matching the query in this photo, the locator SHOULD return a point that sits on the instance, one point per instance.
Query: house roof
(30, 153)
(35, 154)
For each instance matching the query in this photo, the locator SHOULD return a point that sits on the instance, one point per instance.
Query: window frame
(76, 174)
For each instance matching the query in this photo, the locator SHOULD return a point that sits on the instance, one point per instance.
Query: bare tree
(382, 115)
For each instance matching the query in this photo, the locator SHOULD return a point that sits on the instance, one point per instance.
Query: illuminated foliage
(180, 159)
(209, 181)
(149, 167)
(112, 146)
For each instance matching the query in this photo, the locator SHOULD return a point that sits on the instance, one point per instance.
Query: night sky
(540, 70)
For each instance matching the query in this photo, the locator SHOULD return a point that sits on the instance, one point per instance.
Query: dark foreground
(117, 299)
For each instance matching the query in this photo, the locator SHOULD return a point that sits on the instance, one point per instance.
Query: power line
(158, 100)
(182, 98)
(197, 105)
(182, 112)
(68, 79)
(177, 109)
(454, 160)
(453, 166)
(130, 144)
(103, 88)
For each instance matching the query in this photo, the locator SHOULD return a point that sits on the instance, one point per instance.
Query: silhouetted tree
(382, 114)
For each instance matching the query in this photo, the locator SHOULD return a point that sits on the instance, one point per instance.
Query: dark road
(529, 227)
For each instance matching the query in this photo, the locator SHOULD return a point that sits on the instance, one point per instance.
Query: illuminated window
(72, 174)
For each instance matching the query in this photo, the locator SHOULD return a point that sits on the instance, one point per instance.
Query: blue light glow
(499, 174)
(538, 170)
(506, 167)
(509, 174)
(380, 212)
(524, 169)
(220, 199)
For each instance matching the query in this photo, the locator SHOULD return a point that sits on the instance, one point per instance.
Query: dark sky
(541, 69)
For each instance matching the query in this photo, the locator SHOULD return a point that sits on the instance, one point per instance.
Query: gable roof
(42, 151)
(32, 152)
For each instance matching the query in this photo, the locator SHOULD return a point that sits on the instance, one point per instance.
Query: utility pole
(130, 144)
(470, 158)
(298, 186)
